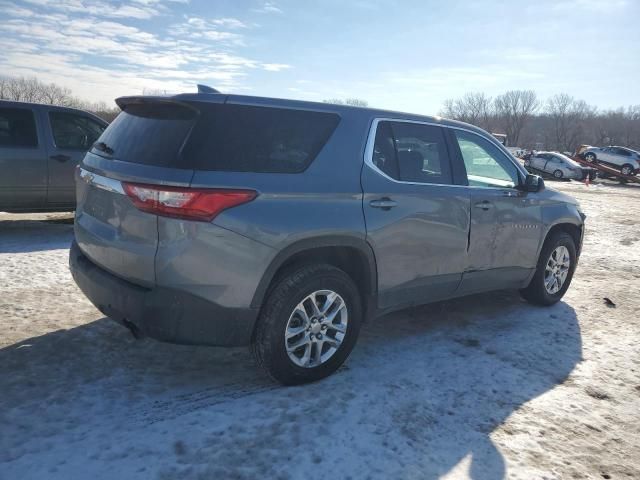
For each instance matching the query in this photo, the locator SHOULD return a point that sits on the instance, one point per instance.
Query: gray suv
(231, 220)
(40, 147)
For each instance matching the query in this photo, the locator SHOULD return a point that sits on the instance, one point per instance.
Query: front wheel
(554, 270)
(308, 324)
(626, 169)
(558, 174)
(590, 157)
(527, 163)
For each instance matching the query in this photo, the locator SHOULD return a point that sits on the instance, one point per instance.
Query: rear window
(17, 128)
(150, 134)
(257, 139)
(220, 137)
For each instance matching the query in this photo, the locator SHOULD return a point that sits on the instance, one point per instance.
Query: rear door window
(17, 128)
(242, 138)
(74, 132)
(412, 152)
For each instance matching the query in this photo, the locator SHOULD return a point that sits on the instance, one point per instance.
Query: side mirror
(533, 183)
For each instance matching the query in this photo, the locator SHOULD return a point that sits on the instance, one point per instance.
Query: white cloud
(90, 47)
(268, 7)
(275, 67)
(229, 22)
(102, 8)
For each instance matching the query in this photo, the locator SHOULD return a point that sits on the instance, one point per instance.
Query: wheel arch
(351, 254)
(576, 232)
(631, 168)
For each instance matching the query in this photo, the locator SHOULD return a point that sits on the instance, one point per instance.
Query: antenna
(206, 89)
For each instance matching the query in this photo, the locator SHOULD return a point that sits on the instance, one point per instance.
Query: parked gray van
(231, 220)
(40, 147)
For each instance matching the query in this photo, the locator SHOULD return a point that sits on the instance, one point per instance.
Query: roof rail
(206, 89)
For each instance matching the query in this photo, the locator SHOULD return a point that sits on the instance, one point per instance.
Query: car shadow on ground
(45, 232)
(423, 390)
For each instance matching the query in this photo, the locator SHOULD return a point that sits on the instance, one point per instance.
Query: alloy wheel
(316, 328)
(557, 269)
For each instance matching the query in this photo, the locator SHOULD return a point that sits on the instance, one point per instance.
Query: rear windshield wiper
(103, 147)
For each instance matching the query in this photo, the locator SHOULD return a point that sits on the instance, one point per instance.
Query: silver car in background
(558, 165)
(624, 159)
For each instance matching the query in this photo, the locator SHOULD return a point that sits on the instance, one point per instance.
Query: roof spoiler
(123, 102)
(206, 89)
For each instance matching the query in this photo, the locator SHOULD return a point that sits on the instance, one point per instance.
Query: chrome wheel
(316, 328)
(557, 269)
(626, 170)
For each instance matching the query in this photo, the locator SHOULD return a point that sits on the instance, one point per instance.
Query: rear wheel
(554, 270)
(626, 169)
(527, 163)
(590, 157)
(308, 325)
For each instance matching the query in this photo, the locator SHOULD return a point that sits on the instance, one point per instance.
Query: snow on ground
(485, 387)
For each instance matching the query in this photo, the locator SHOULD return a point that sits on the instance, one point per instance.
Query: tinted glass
(384, 152)
(422, 153)
(72, 131)
(257, 139)
(150, 134)
(623, 152)
(17, 128)
(486, 165)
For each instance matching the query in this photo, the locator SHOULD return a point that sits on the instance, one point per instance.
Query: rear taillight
(188, 203)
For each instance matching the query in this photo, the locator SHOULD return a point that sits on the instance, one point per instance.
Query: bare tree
(475, 108)
(514, 108)
(354, 102)
(56, 95)
(568, 117)
(30, 89)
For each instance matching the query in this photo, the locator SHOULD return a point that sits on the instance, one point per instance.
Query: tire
(527, 163)
(558, 174)
(626, 169)
(590, 157)
(536, 292)
(277, 313)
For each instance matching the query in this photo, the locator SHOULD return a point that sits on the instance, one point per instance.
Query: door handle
(384, 203)
(484, 205)
(60, 158)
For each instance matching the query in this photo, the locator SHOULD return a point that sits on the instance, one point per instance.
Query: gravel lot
(485, 387)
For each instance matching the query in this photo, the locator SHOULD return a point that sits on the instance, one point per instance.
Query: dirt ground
(486, 387)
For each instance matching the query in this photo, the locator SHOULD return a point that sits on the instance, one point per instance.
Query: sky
(400, 55)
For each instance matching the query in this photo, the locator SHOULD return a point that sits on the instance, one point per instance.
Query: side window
(422, 153)
(74, 132)
(17, 128)
(243, 138)
(384, 152)
(412, 152)
(623, 152)
(486, 165)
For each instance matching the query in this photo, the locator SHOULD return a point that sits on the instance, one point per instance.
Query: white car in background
(624, 159)
(558, 165)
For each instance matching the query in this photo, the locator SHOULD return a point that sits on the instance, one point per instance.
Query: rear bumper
(161, 313)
